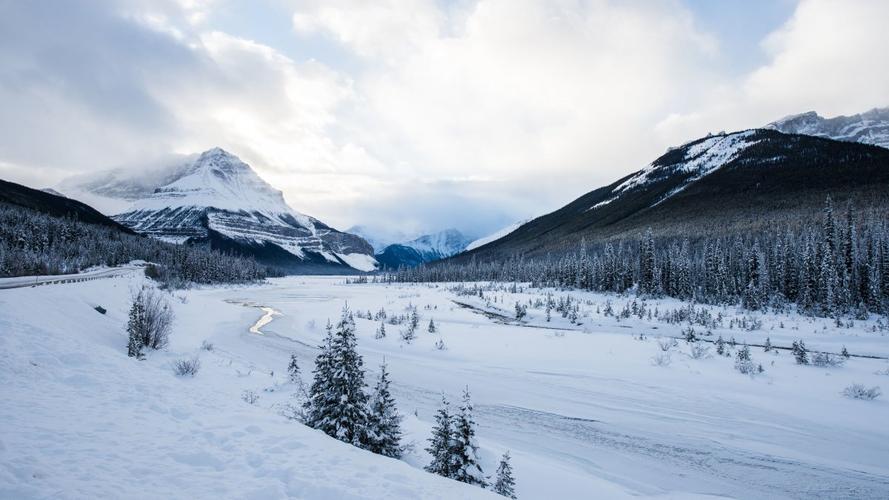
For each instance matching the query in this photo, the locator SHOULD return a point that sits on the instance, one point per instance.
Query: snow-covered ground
(583, 410)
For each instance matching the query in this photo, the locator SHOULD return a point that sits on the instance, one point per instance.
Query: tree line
(836, 266)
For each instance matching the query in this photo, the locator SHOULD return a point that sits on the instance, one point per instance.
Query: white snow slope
(583, 410)
(496, 235)
(81, 420)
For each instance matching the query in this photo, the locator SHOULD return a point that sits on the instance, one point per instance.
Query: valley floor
(583, 409)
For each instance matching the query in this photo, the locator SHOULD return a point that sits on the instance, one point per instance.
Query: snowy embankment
(80, 419)
(582, 407)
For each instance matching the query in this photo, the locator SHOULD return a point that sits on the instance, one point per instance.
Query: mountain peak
(870, 127)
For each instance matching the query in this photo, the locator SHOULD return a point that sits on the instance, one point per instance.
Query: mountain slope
(426, 248)
(216, 198)
(53, 204)
(715, 185)
(871, 127)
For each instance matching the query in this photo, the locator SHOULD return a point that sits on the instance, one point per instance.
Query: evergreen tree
(768, 345)
(339, 409)
(383, 427)
(464, 453)
(441, 442)
(381, 331)
(505, 484)
(320, 393)
(845, 353)
(800, 353)
(432, 328)
(720, 346)
(646, 264)
(293, 370)
(135, 329)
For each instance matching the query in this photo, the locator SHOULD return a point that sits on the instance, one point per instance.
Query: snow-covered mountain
(871, 127)
(426, 248)
(217, 198)
(484, 240)
(726, 184)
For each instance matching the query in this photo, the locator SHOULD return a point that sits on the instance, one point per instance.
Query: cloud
(469, 113)
(826, 57)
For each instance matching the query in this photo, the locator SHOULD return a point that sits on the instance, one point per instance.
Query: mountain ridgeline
(742, 218)
(426, 248)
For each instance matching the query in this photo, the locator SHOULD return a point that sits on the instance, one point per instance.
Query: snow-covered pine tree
(504, 483)
(383, 433)
(381, 331)
(440, 444)
(135, 329)
(464, 452)
(768, 345)
(432, 328)
(800, 353)
(320, 393)
(346, 418)
(293, 370)
(646, 264)
(720, 346)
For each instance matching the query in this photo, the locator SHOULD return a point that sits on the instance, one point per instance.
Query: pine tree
(505, 484)
(800, 353)
(383, 426)
(440, 444)
(646, 264)
(381, 331)
(339, 408)
(432, 328)
(720, 346)
(136, 329)
(768, 345)
(319, 392)
(293, 370)
(845, 353)
(464, 453)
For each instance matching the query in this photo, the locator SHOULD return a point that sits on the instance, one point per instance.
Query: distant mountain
(52, 204)
(871, 127)
(379, 238)
(53, 192)
(426, 248)
(720, 184)
(214, 198)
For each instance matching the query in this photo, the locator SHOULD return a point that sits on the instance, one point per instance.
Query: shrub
(824, 359)
(189, 367)
(858, 391)
(150, 322)
(666, 344)
(207, 346)
(250, 397)
(699, 350)
(661, 359)
(440, 345)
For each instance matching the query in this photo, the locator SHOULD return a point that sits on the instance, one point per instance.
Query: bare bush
(150, 322)
(666, 344)
(440, 345)
(858, 391)
(250, 397)
(207, 346)
(186, 367)
(700, 350)
(824, 359)
(661, 359)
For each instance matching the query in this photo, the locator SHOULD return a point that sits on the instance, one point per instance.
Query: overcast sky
(419, 114)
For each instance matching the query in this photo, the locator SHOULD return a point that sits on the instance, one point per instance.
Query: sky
(411, 116)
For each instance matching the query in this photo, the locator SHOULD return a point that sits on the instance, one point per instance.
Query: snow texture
(581, 408)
